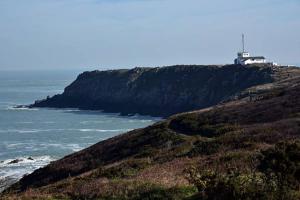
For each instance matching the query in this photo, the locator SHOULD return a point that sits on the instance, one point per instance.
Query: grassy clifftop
(229, 147)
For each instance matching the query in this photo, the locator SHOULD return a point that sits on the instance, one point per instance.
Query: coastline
(160, 91)
(37, 133)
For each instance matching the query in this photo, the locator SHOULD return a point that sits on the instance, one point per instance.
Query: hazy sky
(91, 34)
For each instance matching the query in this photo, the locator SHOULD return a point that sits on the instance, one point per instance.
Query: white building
(244, 57)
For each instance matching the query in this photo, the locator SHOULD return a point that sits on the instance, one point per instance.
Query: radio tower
(243, 42)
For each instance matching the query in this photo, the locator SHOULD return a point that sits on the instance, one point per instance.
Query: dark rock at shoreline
(30, 158)
(157, 91)
(15, 161)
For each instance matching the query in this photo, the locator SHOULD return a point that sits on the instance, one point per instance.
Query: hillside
(158, 91)
(234, 140)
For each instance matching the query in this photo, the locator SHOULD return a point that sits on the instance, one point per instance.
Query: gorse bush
(277, 178)
(232, 185)
(283, 161)
(282, 164)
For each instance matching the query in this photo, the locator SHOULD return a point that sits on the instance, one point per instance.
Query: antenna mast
(243, 42)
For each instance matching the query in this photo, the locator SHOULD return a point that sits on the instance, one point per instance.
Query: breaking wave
(49, 130)
(14, 108)
(12, 170)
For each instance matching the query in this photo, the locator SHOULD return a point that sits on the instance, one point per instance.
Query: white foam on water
(65, 146)
(30, 130)
(16, 168)
(27, 122)
(145, 117)
(34, 146)
(28, 160)
(98, 139)
(24, 122)
(86, 137)
(140, 121)
(104, 130)
(13, 108)
(74, 147)
(96, 122)
(52, 130)
(48, 122)
(68, 109)
(24, 130)
(15, 145)
(121, 121)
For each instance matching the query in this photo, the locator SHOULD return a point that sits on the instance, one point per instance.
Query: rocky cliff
(157, 91)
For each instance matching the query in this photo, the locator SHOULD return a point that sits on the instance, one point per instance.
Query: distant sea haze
(31, 138)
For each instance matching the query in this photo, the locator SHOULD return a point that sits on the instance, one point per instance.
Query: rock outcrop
(157, 91)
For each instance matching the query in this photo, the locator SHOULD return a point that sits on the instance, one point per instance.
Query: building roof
(253, 58)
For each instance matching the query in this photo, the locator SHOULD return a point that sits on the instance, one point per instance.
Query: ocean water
(31, 138)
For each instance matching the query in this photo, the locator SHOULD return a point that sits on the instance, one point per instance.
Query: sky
(105, 34)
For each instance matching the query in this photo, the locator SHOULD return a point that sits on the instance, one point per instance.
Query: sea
(32, 138)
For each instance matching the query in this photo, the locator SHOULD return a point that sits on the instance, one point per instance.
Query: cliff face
(157, 91)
